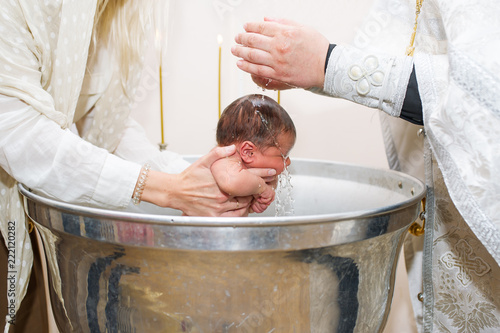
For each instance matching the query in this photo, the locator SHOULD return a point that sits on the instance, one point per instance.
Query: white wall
(327, 128)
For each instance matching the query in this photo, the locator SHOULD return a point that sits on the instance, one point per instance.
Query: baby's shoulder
(230, 161)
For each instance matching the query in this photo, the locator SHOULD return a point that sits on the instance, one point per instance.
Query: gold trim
(417, 229)
(410, 49)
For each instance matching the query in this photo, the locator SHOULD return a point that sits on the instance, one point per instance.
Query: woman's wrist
(141, 183)
(158, 189)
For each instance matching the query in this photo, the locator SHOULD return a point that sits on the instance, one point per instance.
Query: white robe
(457, 69)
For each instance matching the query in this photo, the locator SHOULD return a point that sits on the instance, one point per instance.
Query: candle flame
(158, 43)
(219, 39)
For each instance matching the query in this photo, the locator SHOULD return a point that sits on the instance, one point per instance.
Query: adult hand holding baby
(194, 191)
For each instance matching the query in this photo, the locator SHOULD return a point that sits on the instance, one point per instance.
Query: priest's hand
(281, 54)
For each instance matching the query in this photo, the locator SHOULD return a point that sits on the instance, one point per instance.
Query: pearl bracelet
(141, 183)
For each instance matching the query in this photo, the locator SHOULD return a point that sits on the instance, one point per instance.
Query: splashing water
(283, 201)
(283, 198)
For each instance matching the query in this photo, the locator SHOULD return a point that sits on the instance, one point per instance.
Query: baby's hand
(258, 207)
(267, 196)
(263, 200)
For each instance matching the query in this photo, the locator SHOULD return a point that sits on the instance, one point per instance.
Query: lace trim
(428, 286)
(475, 80)
(428, 95)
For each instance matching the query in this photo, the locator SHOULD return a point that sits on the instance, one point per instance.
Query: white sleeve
(37, 152)
(374, 80)
(135, 146)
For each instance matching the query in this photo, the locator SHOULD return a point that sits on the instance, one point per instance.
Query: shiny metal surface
(330, 268)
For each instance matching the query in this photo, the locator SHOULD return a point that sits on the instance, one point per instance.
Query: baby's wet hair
(256, 118)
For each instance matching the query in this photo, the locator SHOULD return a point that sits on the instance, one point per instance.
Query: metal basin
(329, 268)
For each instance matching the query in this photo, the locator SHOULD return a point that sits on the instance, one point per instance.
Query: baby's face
(274, 157)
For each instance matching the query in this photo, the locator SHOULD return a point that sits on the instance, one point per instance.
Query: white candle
(159, 48)
(219, 41)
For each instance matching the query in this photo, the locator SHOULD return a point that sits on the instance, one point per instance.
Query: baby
(264, 134)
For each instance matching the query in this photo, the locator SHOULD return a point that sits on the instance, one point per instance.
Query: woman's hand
(194, 191)
(281, 54)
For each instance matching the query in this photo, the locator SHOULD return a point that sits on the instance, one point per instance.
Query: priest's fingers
(253, 55)
(270, 84)
(254, 40)
(266, 28)
(270, 26)
(258, 70)
(283, 21)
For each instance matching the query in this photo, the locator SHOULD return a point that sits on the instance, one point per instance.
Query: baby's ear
(247, 151)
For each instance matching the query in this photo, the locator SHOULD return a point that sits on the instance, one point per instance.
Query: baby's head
(261, 129)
